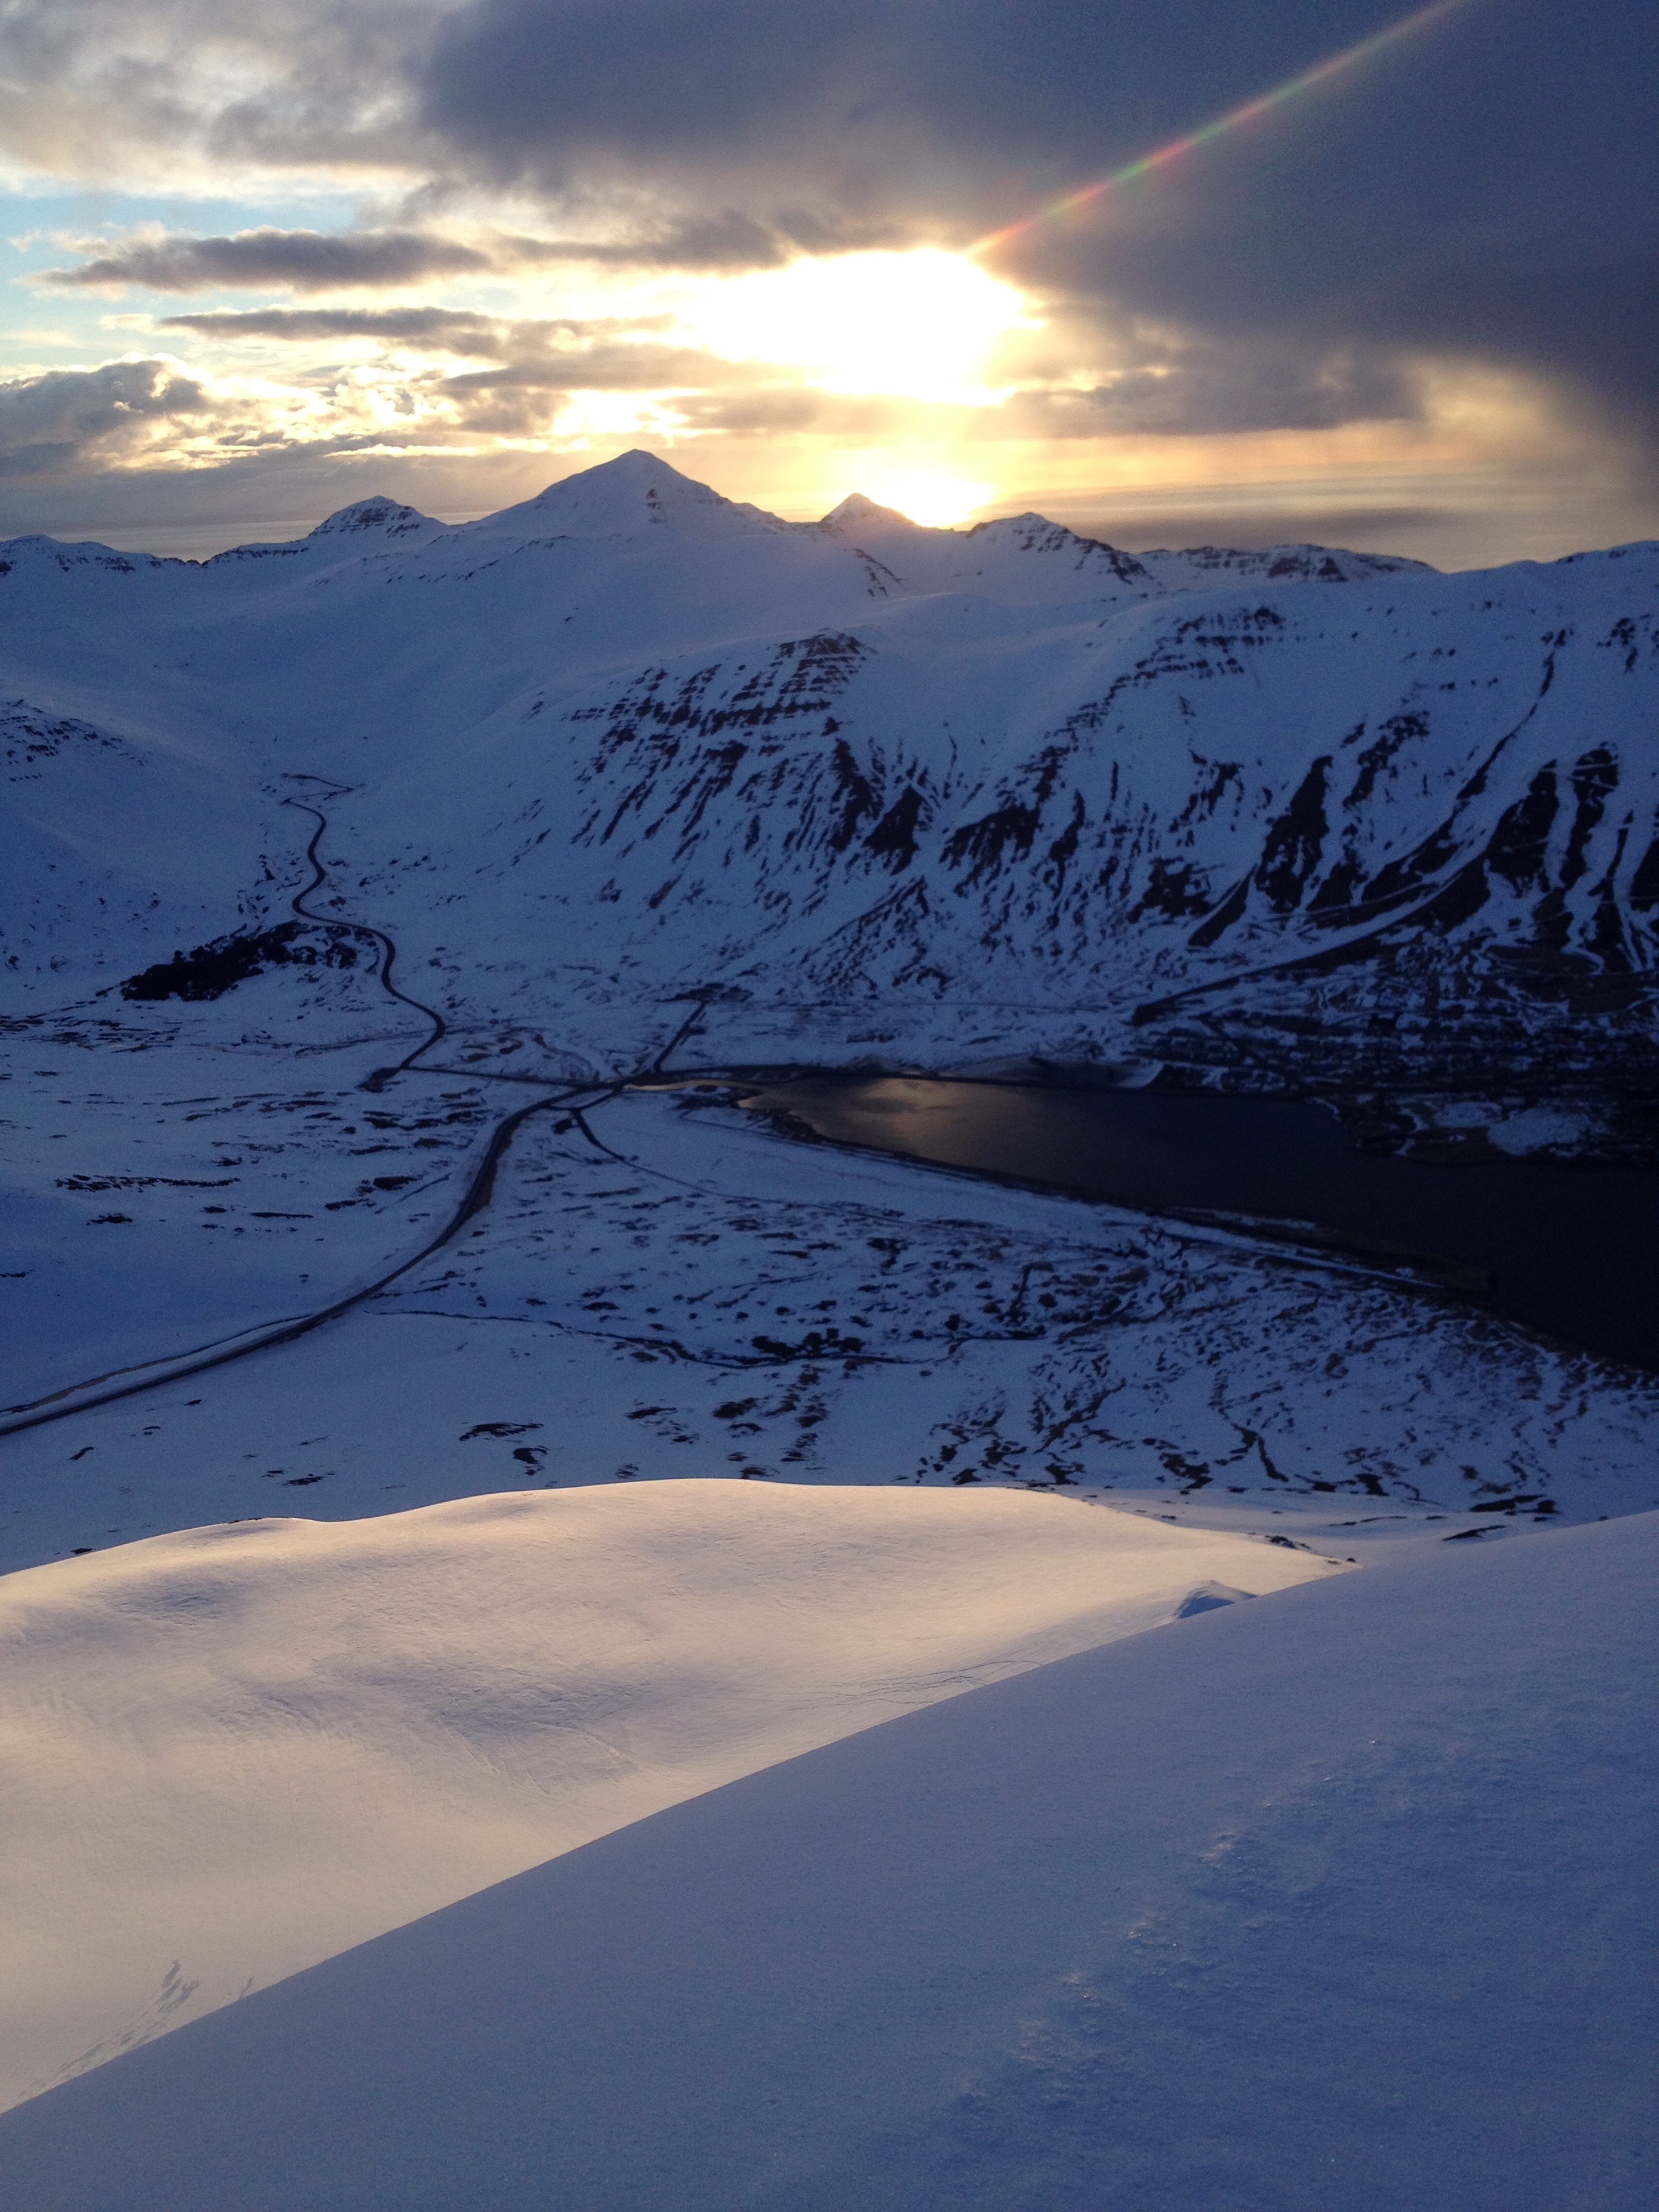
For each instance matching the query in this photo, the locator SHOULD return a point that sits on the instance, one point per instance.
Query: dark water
(1572, 1251)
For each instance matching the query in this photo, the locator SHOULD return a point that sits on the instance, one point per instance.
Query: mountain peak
(386, 518)
(636, 490)
(859, 508)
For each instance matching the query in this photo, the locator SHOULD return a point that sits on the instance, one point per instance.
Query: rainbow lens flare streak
(1337, 65)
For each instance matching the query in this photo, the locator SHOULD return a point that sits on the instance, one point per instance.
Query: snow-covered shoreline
(693, 1294)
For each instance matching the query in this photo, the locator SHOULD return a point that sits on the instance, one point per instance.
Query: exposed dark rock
(209, 970)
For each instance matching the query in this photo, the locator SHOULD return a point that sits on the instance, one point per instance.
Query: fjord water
(1572, 1251)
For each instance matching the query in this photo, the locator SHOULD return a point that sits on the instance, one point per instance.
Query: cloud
(68, 418)
(269, 260)
(554, 353)
(153, 412)
(430, 330)
(630, 367)
(723, 243)
(1203, 388)
(192, 92)
(1490, 189)
(778, 411)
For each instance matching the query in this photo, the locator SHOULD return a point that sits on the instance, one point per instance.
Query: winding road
(577, 1099)
(381, 1076)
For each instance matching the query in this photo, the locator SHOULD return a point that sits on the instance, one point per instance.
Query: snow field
(679, 1294)
(1337, 1902)
(1340, 1901)
(230, 1753)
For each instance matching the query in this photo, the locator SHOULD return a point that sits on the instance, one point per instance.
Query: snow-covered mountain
(327, 864)
(388, 919)
(1292, 818)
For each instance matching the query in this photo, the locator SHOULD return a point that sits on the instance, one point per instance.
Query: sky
(1172, 272)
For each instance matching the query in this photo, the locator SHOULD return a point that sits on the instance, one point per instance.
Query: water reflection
(1573, 1251)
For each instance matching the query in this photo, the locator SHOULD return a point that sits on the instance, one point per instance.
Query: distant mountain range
(1294, 819)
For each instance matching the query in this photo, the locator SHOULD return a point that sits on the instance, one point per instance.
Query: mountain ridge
(1293, 820)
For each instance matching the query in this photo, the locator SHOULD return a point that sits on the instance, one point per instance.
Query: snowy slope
(1339, 1899)
(230, 1753)
(116, 846)
(1005, 790)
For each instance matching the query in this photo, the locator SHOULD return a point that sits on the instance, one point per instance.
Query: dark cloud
(53, 423)
(786, 410)
(768, 413)
(723, 243)
(270, 259)
(265, 260)
(1216, 388)
(429, 329)
(1489, 190)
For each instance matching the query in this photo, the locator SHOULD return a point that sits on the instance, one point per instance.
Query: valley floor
(655, 1283)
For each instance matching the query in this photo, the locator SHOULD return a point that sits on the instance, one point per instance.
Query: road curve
(130, 1382)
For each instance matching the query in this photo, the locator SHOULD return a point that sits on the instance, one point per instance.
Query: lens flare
(1337, 65)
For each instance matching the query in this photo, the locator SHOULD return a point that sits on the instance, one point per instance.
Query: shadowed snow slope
(228, 1754)
(1340, 1900)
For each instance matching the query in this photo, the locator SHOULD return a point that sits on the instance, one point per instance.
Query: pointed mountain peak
(637, 465)
(856, 507)
(1032, 532)
(384, 517)
(635, 491)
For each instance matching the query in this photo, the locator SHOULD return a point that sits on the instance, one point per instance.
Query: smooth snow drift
(225, 1755)
(1342, 1899)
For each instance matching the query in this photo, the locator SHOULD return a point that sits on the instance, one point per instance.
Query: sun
(917, 325)
(930, 496)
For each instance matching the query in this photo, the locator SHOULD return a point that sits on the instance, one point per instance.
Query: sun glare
(918, 326)
(925, 495)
